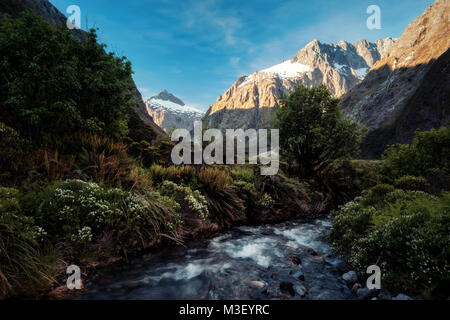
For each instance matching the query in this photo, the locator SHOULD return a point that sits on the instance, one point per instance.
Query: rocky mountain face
(147, 129)
(42, 7)
(252, 100)
(170, 112)
(409, 87)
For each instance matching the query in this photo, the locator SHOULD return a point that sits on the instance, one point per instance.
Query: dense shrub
(412, 183)
(412, 247)
(429, 150)
(194, 199)
(54, 84)
(12, 153)
(156, 153)
(404, 232)
(351, 223)
(78, 212)
(376, 194)
(213, 179)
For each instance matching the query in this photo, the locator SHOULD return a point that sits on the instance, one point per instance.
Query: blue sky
(197, 48)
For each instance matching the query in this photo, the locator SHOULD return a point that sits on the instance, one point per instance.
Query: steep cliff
(408, 88)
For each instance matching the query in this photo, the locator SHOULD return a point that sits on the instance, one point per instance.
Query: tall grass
(177, 174)
(51, 164)
(225, 206)
(23, 270)
(104, 159)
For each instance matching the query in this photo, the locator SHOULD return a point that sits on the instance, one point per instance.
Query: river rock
(258, 284)
(402, 296)
(350, 277)
(355, 287)
(384, 295)
(341, 266)
(295, 260)
(301, 290)
(287, 287)
(363, 293)
(299, 275)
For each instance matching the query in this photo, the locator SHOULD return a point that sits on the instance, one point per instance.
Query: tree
(52, 83)
(312, 131)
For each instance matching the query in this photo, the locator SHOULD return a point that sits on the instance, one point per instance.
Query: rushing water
(266, 262)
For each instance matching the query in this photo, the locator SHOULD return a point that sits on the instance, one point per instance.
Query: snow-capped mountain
(169, 111)
(252, 100)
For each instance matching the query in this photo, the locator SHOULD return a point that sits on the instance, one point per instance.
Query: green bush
(12, 153)
(375, 195)
(55, 84)
(429, 149)
(194, 199)
(404, 232)
(350, 223)
(78, 212)
(398, 203)
(412, 183)
(412, 247)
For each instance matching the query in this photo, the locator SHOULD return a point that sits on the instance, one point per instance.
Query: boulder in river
(401, 296)
(301, 290)
(350, 277)
(258, 284)
(295, 260)
(384, 295)
(363, 293)
(298, 275)
(287, 287)
(355, 287)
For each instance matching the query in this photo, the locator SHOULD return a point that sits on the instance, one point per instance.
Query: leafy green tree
(312, 131)
(52, 83)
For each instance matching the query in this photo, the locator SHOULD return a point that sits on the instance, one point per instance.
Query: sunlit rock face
(252, 100)
(170, 112)
(408, 88)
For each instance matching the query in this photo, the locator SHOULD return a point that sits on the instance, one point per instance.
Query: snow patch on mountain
(285, 70)
(362, 72)
(156, 103)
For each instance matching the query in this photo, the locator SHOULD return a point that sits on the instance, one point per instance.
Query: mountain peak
(252, 100)
(166, 96)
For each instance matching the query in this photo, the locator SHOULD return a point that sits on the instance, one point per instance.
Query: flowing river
(291, 260)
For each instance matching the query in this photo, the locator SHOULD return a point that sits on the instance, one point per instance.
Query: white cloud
(143, 90)
(234, 61)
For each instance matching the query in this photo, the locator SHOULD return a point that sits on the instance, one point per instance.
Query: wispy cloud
(207, 16)
(234, 61)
